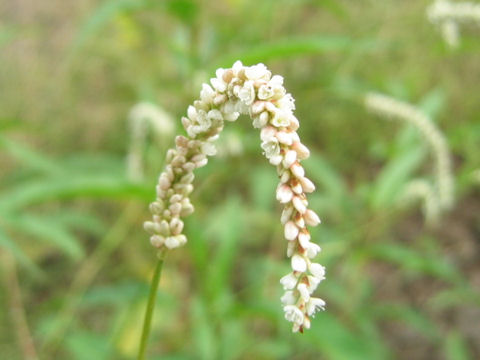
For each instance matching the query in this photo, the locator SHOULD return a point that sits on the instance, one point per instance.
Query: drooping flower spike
(254, 91)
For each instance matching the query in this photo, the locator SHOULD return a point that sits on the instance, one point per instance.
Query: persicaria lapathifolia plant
(254, 91)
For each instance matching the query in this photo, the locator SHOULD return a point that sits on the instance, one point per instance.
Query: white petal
(307, 185)
(284, 194)
(289, 281)
(299, 204)
(304, 239)
(288, 298)
(303, 290)
(297, 170)
(299, 263)
(290, 158)
(317, 270)
(311, 218)
(291, 231)
(314, 304)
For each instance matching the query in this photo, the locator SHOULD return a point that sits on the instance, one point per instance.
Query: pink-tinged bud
(307, 185)
(297, 170)
(157, 240)
(151, 227)
(304, 239)
(188, 167)
(291, 231)
(175, 209)
(176, 198)
(299, 221)
(187, 209)
(285, 177)
(201, 163)
(302, 150)
(284, 138)
(219, 99)
(290, 158)
(163, 182)
(299, 204)
(299, 263)
(187, 178)
(311, 218)
(176, 226)
(267, 133)
(294, 123)
(296, 187)
(181, 141)
(284, 194)
(186, 122)
(227, 75)
(286, 214)
(170, 155)
(164, 228)
(258, 107)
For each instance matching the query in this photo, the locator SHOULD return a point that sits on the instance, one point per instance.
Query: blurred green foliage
(72, 220)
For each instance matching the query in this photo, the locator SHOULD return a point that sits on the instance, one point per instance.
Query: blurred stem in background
(86, 275)
(147, 322)
(17, 312)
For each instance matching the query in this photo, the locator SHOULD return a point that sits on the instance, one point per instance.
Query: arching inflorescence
(254, 91)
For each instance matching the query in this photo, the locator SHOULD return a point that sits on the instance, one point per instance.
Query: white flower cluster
(392, 108)
(253, 91)
(448, 15)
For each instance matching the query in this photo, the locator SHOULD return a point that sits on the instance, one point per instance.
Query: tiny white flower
(271, 148)
(297, 170)
(317, 270)
(286, 103)
(290, 158)
(307, 184)
(288, 298)
(293, 314)
(312, 283)
(302, 151)
(312, 250)
(289, 281)
(265, 92)
(314, 304)
(299, 204)
(304, 239)
(218, 84)
(304, 292)
(247, 93)
(172, 242)
(207, 93)
(280, 119)
(291, 231)
(157, 240)
(257, 72)
(299, 263)
(209, 149)
(284, 195)
(285, 138)
(311, 218)
(287, 211)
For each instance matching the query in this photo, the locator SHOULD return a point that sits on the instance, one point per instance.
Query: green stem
(147, 321)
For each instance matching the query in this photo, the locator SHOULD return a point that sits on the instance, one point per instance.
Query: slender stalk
(147, 322)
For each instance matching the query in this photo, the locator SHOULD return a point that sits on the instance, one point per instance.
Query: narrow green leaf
(7, 243)
(48, 231)
(393, 177)
(29, 157)
(35, 192)
(456, 348)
